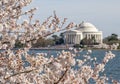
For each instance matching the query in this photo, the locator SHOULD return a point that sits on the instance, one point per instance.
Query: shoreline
(46, 48)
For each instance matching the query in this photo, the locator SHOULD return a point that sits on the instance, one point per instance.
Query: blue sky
(104, 14)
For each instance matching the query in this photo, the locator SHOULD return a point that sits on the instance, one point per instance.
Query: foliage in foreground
(20, 67)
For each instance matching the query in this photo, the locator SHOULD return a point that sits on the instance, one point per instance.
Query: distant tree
(18, 44)
(42, 42)
(58, 39)
(61, 35)
(61, 40)
(113, 38)
(55, 37)
(39, 43)
(119, 46)
(77, 45)
(86, 41)
(50, 42)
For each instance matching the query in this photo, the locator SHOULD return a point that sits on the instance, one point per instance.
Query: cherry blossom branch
(62, 76)
(28, 71)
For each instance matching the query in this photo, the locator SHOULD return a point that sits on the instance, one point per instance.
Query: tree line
(44, 42)
(112, 39)
(58, 40)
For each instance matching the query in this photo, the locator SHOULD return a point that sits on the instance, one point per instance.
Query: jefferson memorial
(84, 30)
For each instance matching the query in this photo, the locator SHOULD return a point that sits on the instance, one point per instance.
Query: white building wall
(72, 37)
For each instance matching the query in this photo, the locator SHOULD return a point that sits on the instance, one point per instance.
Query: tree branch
(28, 71)
(62, 76)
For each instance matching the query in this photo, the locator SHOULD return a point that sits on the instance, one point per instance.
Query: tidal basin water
(112, 68)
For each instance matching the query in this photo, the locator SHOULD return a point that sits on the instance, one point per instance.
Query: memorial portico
(85, 30)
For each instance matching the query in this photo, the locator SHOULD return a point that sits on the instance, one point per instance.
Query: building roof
(87, 27)
(73, 31)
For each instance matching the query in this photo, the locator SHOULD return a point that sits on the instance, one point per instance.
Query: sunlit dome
(87, 27)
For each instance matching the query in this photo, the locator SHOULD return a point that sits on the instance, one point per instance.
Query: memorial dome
(87, 27)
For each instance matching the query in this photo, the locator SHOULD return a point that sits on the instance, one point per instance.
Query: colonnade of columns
(73, 38)
(97, 37)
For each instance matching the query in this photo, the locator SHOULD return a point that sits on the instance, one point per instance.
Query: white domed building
(85, 30)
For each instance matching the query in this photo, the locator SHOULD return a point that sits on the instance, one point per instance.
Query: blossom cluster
(18, 66)
(40, 68)
(106, 46)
